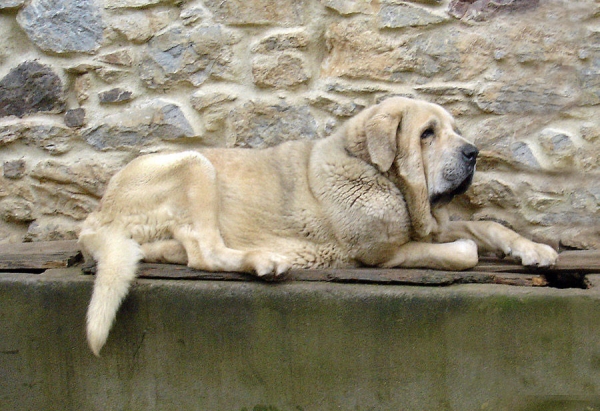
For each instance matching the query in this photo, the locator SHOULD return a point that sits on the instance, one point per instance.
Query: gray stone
(83, 177)
(75, 118)
(214, 103)
(260, 124)
(115, 96)
(522, 154)
(483, 9)
(345, 7)
(52, 228)
(14, 169)
(589, 76)
(49, 137)
(31, 88)
(297, 39)
(280, 71)
(118, 58)
(259, 12)
(524, 96)
(137, 127)
(132, 4)
(400, 15)
(111, 75)
(201, 99)
(17, 210)
(194, 14)
(558, 146)
(338, 106)
(81, 87)
(63, 26)
(138, 26)
(62, 200)
(489, 192)
(188, 55)
(9, 4)
(358, 51)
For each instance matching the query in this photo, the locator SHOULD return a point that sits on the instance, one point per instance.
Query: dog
(372, 194)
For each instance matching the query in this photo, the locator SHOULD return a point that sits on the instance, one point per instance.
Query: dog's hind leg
(202, 239)
(164, 251)
(117, 257)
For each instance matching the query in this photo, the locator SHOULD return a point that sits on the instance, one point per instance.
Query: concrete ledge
(214, 345)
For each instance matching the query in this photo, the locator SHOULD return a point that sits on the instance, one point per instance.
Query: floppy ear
(410, 169)
(380, 131)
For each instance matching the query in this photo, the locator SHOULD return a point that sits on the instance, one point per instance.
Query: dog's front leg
(457, 255)
(493, 237)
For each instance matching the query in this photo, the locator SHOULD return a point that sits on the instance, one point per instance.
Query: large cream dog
(372, 194)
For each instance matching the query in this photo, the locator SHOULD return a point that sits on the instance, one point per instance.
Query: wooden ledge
(570, 270)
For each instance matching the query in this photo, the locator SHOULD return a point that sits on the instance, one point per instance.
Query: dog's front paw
(267, 264)
(534, 254)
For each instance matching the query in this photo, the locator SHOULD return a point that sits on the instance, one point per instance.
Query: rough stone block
(31, 88)
(345, 7)
(75, 118)
(284, 13)
(523, 155)
(132, 4)
(14, 169)
(262, 124)
(483, 9)
(115, 96)
(282, 41)
(558, 147)
(358, 51)
(181, 55)
(82, 177)
(52, 228)
(338, 106)
(63, 26)
(139, 126)
(400, 15)
(8, 4)
(524, 96)
(201, 99)
(47, 136)
(118, 58)
(280, 71)
(17, 210)
(140, 26)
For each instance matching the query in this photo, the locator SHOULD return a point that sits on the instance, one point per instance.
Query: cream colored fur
(360, 197)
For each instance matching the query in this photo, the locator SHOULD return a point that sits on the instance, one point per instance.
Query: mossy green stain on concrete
(228, 346)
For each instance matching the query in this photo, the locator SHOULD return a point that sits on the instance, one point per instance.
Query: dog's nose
(469, 153)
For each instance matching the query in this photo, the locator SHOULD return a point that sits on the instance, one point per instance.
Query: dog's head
(419, 144)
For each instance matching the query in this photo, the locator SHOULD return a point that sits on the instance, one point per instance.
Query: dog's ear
(396, 114)
(380, 132)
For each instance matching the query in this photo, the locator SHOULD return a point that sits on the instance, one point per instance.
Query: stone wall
(86, 86)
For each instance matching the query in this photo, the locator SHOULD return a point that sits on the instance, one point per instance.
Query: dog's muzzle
(468, 154)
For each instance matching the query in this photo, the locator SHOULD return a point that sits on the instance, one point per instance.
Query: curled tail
(117, 257)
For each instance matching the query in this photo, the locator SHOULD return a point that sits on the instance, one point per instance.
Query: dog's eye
(429, 132)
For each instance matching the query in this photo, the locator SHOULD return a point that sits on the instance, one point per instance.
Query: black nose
(469, 153)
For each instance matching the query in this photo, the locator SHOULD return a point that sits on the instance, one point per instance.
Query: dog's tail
(117, 257)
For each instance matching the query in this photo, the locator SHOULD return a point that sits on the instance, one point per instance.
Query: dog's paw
(534, 254)
(267, 264)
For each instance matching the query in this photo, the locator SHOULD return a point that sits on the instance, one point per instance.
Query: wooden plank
(39, 256)
(357, 275)
(59, 254)
(580, 260)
